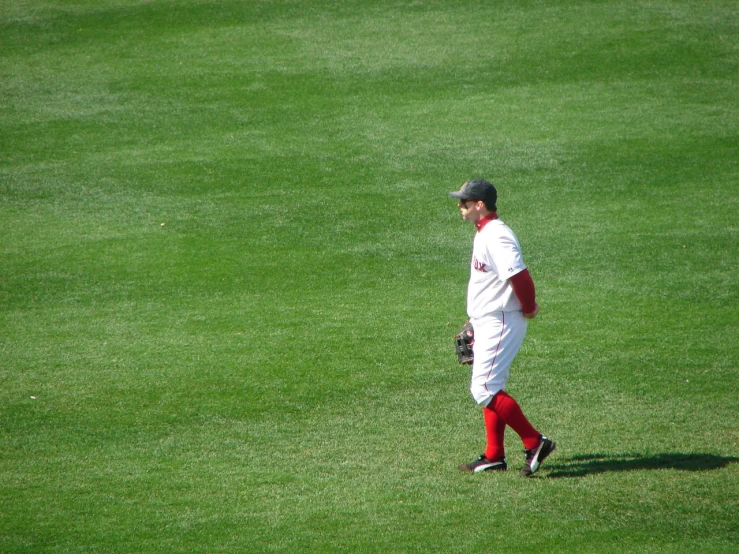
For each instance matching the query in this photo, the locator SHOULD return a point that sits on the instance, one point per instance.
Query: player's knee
(480, 394)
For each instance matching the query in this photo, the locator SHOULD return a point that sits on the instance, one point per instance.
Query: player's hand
(532, 315)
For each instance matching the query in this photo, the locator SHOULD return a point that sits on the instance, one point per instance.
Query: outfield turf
(230, 274)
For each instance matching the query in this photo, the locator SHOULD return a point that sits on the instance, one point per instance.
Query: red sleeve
(523, 286)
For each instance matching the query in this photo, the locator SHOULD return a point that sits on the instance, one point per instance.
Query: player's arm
(523, 286)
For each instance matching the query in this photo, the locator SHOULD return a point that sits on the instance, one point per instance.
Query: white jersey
(496, 257)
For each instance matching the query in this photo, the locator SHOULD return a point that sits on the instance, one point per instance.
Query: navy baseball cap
(479, 189)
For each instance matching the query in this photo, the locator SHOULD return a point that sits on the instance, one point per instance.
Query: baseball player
(500, 300)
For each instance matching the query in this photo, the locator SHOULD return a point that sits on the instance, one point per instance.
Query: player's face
(471, 210)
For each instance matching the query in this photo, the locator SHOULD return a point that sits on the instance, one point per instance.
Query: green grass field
(230, 274)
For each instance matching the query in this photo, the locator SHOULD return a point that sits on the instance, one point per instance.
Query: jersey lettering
(479, 266)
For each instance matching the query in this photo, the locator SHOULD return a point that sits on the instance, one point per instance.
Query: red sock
(495, 431)
(510, 412)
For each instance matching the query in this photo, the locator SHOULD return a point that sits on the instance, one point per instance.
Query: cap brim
(459, 195)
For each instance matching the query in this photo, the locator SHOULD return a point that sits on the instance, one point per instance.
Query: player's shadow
(591, 464)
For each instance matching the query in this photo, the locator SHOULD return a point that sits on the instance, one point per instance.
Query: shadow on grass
(590, 464)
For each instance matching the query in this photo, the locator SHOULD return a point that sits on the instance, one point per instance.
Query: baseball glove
(463, 342)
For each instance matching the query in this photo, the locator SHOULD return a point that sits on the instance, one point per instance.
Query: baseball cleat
(536, 456)
(483, 464)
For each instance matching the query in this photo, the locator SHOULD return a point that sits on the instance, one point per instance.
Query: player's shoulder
(497, 232)
(497, 227)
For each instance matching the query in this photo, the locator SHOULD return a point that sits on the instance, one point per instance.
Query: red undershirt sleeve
(523, 286)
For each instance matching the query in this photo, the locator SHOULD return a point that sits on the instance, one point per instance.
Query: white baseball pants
(498, 338)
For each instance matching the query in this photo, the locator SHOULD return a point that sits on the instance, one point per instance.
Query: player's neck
(485, 219)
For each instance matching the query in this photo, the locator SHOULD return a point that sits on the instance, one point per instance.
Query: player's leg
(495, 432)
(537, 446)
(494, 348)
(498, 339)
(494, 456)
(511, 414)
